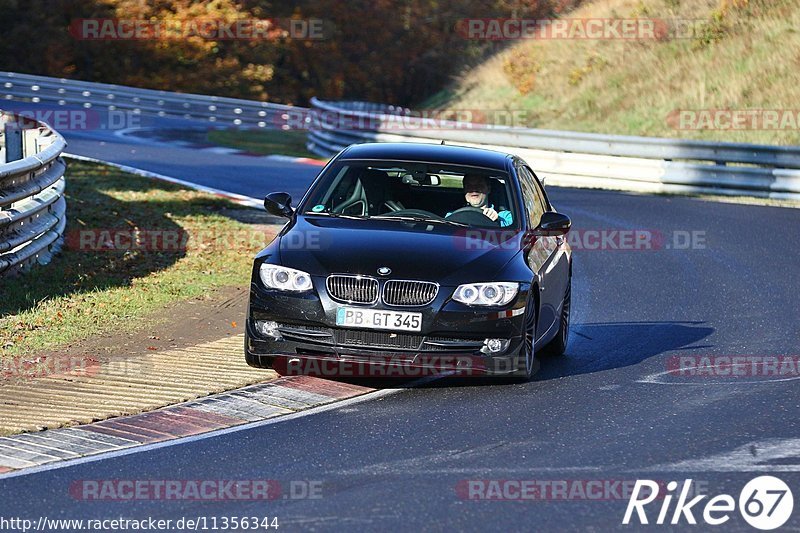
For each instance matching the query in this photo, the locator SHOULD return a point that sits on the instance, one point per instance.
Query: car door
(541, 251)
(557, 270)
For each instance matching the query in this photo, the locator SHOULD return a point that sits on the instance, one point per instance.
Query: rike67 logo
(765, 503)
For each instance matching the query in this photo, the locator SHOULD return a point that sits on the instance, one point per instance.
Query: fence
(566, 158)
(32, 205)
(214, 110)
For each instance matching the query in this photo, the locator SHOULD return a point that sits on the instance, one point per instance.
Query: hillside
(741, 55)
(283, 52)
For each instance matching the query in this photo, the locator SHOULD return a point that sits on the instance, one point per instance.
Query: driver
(476, 193)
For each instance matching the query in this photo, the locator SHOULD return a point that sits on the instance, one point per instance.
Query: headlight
(499, 293)
(285, 279)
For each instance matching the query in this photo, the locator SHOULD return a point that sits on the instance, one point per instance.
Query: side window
(530, 197)
(540, 195)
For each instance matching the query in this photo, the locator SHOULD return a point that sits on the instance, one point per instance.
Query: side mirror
(553, 223)
(279, 204)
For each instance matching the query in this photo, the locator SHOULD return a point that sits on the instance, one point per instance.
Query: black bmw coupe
(415, 257)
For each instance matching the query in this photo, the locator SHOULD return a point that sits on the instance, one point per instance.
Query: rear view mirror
(279, 204)
(426, 180)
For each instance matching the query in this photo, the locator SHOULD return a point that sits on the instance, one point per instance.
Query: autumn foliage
(380, 50)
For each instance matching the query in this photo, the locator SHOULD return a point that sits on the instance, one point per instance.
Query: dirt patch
(220, 313)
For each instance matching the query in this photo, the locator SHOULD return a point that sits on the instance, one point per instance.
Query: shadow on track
(105, 210)
(592, 348)
(605, 346)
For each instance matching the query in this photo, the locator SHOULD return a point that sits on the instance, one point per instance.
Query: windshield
(433, 192)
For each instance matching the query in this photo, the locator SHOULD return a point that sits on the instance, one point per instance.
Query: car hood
(449, 255)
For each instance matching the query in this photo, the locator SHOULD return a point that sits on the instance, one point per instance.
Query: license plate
(350, 317)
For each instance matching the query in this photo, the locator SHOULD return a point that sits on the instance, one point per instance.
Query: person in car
(476, 193)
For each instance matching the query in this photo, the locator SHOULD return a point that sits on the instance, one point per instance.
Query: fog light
(493, 346)
(268, 328)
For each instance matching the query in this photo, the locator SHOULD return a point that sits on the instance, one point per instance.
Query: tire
(527, 363)
(558, 346)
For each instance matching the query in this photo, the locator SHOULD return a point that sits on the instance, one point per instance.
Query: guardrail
(564, 158)
(32, 205)
(644, 164)
(215, 110)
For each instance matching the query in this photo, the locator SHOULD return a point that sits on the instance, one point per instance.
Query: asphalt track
(610, 410)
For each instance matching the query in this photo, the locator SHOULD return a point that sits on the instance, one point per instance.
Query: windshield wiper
(334, 215)
(387, 217)
(421, 219)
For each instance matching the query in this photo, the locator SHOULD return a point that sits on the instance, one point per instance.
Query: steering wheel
(473, 216)
(411, 213)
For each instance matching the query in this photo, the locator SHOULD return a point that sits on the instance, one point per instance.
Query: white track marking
(222, 150)
(747, 458)
(659, 378)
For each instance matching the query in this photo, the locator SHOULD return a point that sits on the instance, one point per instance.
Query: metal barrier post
(13, 142)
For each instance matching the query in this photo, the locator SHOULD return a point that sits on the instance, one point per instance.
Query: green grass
(745, 56)
(82, 293)
(266, 142)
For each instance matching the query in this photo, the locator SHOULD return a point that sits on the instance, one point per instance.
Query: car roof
(428, 153)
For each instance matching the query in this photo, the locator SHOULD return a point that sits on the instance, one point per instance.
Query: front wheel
(527, 364)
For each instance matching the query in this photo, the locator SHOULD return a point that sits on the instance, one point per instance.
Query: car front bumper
(308, 341)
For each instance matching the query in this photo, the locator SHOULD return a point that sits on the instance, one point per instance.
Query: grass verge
(266, 142)
(107, 285)
(740, 55)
